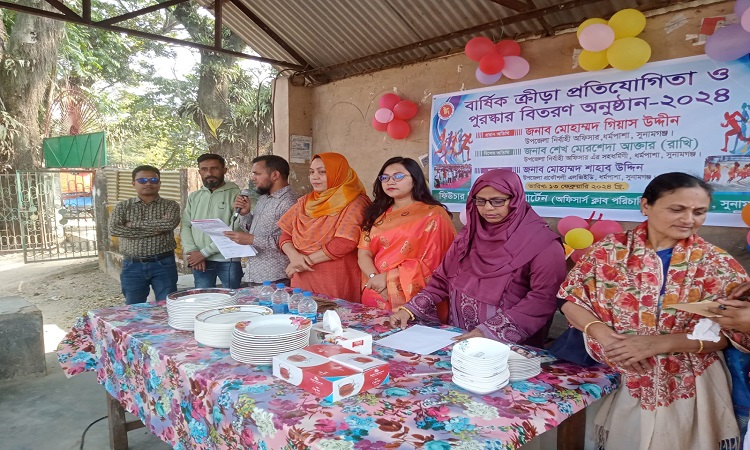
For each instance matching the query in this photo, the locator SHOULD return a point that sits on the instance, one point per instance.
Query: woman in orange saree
(405, 235)
(675, 390)
(321, 231)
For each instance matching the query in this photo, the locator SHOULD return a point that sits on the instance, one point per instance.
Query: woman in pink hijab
(501, 274)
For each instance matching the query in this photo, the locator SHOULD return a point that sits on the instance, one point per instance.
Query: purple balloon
(487, 79)
(728, 43)
(740, 6)
(745, 20)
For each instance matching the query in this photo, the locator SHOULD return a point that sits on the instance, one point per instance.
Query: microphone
(245, 193)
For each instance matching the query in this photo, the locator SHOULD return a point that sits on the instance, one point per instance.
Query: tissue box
(330, 372)
(355, 340)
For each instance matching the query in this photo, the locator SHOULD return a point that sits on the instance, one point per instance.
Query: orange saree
(408, 245)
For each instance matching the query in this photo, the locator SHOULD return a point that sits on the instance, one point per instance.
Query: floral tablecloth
(196, 397)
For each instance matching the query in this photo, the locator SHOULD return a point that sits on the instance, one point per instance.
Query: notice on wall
(591, 142)
(300, 149)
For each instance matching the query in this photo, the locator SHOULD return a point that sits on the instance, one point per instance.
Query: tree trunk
(30, 55)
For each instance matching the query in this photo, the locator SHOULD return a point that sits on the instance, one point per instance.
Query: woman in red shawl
(502, 272)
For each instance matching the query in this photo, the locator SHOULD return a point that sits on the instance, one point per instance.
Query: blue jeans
(137, 278)
(229, 272)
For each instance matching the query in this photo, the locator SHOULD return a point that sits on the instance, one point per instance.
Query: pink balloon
(745, 20)
(602, 228)
(515, 67)
(597, 37)
(389, 100)
(384, 115)
(379, 125)
(462, 216)
(728, 43)
(740, 6)
(487, 79)
(568, 223)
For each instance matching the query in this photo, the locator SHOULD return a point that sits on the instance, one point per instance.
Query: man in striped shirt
(145, 226)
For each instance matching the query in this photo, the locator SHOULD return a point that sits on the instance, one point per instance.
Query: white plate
(230, 315)
(481, 350)
(273, 326)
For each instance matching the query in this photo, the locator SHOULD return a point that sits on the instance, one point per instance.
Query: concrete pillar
(21, 339)
(292, 115)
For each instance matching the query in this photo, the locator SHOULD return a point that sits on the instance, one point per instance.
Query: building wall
(342, 111)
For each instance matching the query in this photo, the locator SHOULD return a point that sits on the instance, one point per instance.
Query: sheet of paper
(419, 339)
(215, 229)
(700, 308)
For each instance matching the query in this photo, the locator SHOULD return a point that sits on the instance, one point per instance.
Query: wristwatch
(372, 275)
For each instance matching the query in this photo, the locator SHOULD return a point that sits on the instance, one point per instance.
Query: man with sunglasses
(145, 227)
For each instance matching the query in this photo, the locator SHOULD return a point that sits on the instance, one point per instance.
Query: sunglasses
(495, 202)
(398, 176)
(153, 180)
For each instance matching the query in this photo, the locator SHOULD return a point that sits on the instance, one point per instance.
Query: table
(196, 397)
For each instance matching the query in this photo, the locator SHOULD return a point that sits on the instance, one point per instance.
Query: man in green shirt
(212, 201)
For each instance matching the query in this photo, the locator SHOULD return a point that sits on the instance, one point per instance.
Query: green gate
(49, 215)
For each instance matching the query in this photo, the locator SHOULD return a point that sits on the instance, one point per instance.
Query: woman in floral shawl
(675, 391)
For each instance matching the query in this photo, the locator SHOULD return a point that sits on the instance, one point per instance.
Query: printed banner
(591, 142)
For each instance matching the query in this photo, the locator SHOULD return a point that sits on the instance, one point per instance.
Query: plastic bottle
(279, 299)
(294, 300)
(308, 307)
(265, 293)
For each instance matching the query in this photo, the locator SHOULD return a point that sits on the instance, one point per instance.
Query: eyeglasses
(398, 176)
(153, 180)
(495, 202)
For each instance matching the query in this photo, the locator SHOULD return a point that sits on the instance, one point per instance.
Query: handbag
(571, 347)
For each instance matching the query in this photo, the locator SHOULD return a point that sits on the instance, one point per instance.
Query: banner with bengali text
(591, 142)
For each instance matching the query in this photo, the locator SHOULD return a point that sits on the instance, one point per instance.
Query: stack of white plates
(480, 365)
(214, 327)
(522, 367)
(258, 339)
(183, 306)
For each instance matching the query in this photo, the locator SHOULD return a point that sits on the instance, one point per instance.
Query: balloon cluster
(496, 60)
(392, 116)
(746, 219)
(733, 41)
(614, 42)
(579, 233)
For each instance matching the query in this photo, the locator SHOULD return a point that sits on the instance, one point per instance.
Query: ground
(62, 290)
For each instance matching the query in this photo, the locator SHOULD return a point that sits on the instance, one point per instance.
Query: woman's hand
(399, 319)
(379, 284)
(736, 316)
(298, 263)
(476, 332)
(632, 352)
(742, 290)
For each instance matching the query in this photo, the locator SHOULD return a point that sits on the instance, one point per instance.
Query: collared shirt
(270, 263)
(145, 229)
(204, 204)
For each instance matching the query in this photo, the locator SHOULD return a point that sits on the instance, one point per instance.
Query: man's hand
(194, 258)
(243, 203)
(239, 237)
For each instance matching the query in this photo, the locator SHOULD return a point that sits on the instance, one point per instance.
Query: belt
(154, 258)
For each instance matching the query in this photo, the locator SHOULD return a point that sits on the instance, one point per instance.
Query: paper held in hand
(215, 229)
(700, 308)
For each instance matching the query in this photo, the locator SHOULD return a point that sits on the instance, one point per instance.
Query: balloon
(508, 47)
(462, 216)
(405, 110)
(627, 23)
(568, 223)
(515, 67)
(478, 47)
(601, 228)
(487, 79)
(389, 100)
(745, 20)
(628, 53)
(491, 63)
(578, 254)
(568, 249)
(728, 43)
(740, 6)
(398, 129)
(593, 61)
(579, 238)
(588, 22)
(746, 214)
(596, 37)
(384, 115)
(380, 126)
